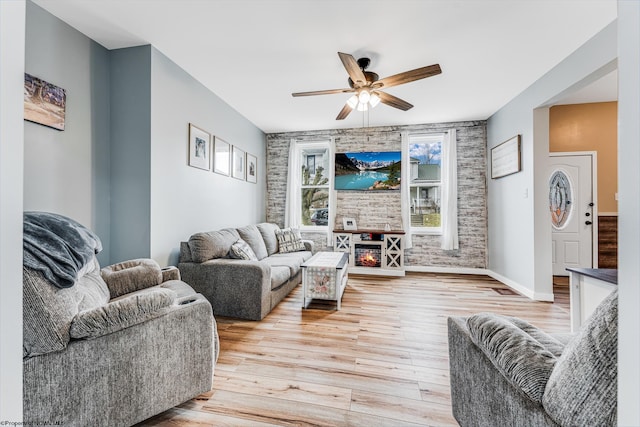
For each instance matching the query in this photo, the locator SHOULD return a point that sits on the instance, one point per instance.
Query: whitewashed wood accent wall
(374, 209)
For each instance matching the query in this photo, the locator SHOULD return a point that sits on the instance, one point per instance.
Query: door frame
(594, 196)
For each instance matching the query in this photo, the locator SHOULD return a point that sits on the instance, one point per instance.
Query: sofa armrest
(518, 352)
(235, 288)
(121, 314)
(170, 273)
(308, 245)
(130, 276)
(170, 358)
(480, 394)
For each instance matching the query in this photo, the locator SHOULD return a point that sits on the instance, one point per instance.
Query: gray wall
(374, 209)
(121, 165)
(185, 200)
(67, 172)
(519, 227)
(130, 153)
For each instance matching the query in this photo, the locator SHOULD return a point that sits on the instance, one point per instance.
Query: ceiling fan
(368, 87)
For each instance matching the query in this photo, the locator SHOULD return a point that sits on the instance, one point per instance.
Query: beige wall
(590, 127)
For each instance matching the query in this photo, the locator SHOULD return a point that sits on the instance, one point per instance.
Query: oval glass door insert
(560, 199)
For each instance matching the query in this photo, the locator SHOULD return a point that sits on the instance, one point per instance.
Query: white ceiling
(254, 53)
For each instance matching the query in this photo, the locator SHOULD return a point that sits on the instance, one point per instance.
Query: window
(425, 182)
(315, 183)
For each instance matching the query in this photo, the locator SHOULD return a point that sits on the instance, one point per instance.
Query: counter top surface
(609, 275)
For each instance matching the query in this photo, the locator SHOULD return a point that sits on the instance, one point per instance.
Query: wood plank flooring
(382, 360)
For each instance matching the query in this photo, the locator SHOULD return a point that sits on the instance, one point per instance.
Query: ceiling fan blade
(323, 92)
(408, 76)
(353, 69)
(344, 112)
(393, 101)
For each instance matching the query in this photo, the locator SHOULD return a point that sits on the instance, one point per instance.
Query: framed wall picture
(349, 224)
(238, 163)
(44, 103)
(252, 168)
(506, 158)
(199, 150)
(221, 157)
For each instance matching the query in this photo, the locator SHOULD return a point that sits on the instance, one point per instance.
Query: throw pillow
(241, 250)
(289, 240)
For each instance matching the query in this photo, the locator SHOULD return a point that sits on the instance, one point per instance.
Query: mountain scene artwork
(368, 171)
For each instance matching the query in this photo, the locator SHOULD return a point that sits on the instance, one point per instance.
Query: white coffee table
(324, 276)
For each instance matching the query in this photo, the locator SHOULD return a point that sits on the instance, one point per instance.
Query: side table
(324, 276)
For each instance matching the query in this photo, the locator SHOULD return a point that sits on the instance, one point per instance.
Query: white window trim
(299, 147)
(417, 139)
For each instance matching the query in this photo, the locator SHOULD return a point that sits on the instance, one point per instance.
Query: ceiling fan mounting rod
(363, 63)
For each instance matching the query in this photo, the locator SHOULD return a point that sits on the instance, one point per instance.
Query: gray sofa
(111, 347)
(243, 288)
(506, 372)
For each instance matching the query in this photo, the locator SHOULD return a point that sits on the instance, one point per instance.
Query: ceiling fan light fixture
(364, 96)
(353, 101)
(374, 100)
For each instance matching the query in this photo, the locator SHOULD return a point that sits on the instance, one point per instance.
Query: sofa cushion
(292, 260)
(279, 276)
(241, 250)
(253, 237)
(212, 244)
(582, 389)
(268, 231)
(289, 240)
(185, 252)
(517, 349)
(121, 314)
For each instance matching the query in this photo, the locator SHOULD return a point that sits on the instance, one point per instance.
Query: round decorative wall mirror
(560, 196)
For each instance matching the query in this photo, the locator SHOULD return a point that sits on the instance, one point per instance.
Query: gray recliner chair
(506, 372)
(108, 347)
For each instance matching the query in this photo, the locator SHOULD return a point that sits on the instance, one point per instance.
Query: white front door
(571, 211)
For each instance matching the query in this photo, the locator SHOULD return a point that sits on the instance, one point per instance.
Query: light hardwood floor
(382, 360)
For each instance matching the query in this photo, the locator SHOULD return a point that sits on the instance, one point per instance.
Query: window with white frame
(314, 184)
(425, 182)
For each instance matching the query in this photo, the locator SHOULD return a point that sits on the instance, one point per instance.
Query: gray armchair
(506, 372)
(112, 347)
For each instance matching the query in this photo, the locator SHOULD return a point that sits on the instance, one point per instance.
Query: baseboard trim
(449, 270)
(368, 271)
(522, 290)
(517, 287)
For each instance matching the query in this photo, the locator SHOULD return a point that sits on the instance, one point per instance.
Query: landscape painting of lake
(368, 171)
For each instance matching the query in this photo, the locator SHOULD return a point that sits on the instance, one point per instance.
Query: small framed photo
(239, 169)
(349, 224)
(199, 151)
(221, 157)
(252, 168)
